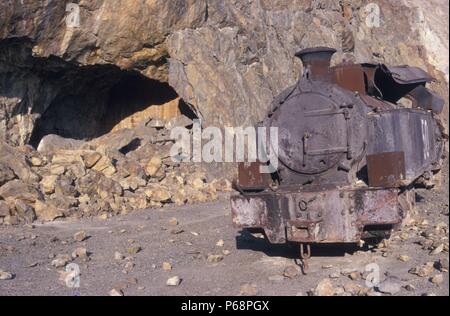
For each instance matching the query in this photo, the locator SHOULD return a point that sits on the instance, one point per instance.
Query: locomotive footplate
(326, 216)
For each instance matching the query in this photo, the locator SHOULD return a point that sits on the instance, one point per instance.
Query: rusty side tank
(349, 153)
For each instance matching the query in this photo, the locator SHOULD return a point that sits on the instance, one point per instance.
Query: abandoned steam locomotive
(350, 154)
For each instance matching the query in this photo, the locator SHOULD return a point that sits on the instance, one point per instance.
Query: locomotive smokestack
(317, 62)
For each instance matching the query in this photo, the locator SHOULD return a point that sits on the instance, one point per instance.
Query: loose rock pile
(114, 174)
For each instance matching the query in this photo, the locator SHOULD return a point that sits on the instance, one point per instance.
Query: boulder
(54, 143)
(47, 211)
(4, 209)
(6, 174)
(19, 190)
(25, 211)
(48, 184)
(108, 188)
(12, 159)
(153, 166)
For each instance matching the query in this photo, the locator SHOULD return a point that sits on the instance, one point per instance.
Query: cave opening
(95, 101)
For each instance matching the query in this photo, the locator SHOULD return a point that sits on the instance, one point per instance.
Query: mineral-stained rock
(18, 189)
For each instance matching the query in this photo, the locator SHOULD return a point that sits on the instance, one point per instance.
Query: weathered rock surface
(225, 58)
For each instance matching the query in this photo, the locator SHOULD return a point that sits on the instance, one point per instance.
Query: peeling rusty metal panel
(386, 170)
(248, 213)
(250, 177)
(411, 131)
(350, 77)
(331, 216)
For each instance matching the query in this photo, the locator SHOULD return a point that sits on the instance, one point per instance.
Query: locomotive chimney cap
(316, 53)
(317, 62)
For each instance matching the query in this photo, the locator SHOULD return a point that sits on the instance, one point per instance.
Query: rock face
(79, 70)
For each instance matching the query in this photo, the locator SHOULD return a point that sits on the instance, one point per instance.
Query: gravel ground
(250, 266)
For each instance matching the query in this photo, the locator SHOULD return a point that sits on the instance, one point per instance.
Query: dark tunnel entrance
(96, 101)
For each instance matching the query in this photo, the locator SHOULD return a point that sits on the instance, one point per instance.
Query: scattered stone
(438, 250)
(276, 278)
(404, 258)
(226, 252)
(173, 222)
(437, 279)
(4, 209)
(90, 159)
(133, 281)
(335, 276)
(212, 259)
(220, 243)
(389, 287)
(249, 289)
(80, 236)
(25, 211)
(291, 272)
(61, 261)
(423, 271)
(174, 281)
(410, 288)
(46, 211)
(355, 276)
(5, 276)
(118, 256)
(167, 266)
(153, 166)
(442, 265)
(134, 250)
(115, 292)
(129, 266)
(325, 288)
(352, 288)
(80, 253)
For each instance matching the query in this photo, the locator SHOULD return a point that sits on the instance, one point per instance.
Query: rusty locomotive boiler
(349, 154)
